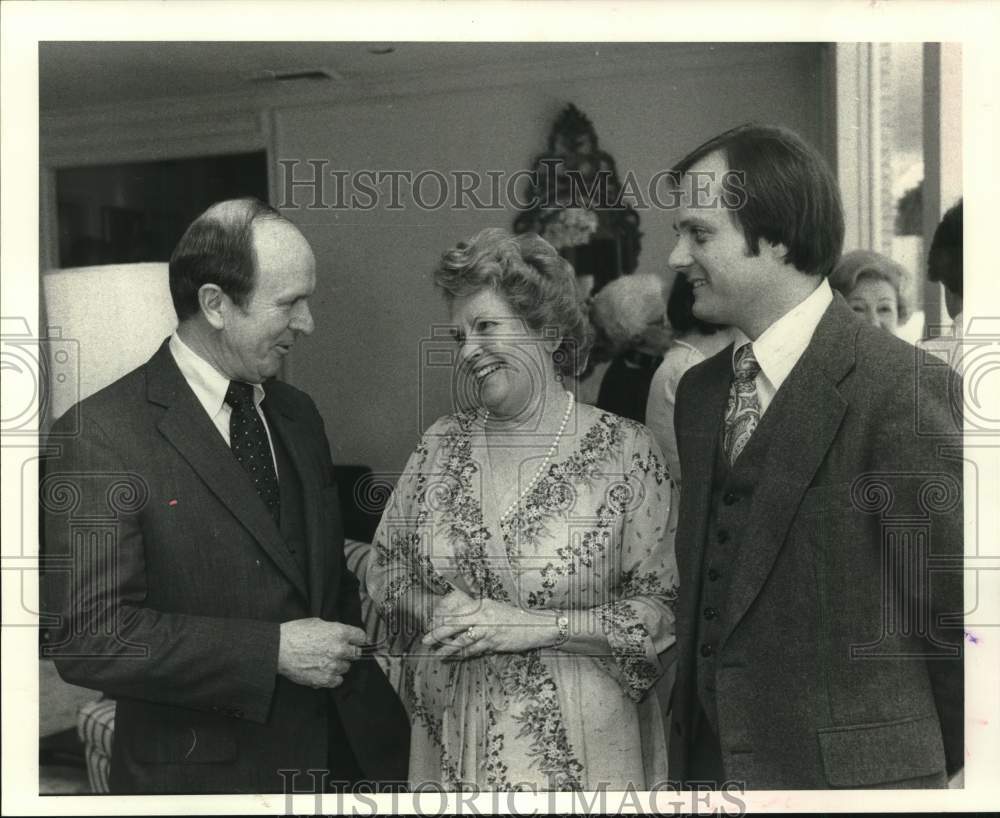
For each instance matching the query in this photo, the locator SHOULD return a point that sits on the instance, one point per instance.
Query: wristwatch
(562, 623)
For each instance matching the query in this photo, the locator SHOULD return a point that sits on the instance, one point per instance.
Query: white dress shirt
(780, 346)
(210, 387)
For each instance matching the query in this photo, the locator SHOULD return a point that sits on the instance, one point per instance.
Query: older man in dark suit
(820, 531)
(209, 594)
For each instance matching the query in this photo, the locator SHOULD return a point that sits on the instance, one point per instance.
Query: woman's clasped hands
(463, 627)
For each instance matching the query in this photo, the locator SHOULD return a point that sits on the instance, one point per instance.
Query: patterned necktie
(742, 409)
(249, 442)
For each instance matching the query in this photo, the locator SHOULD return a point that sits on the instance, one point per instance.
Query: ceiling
(74, 75)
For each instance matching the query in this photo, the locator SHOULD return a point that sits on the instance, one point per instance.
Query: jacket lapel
(283, 420)
(189, 429)
(808, 409)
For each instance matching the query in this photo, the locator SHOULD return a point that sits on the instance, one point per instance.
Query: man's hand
(318, 653)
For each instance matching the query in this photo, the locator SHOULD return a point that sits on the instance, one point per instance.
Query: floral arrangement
(571, 227)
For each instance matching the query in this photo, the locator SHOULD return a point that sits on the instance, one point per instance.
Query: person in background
(630, 316)
(694, 341)
(522, 559)
(944, 264)
(875, 287)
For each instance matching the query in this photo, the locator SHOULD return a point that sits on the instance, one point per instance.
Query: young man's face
(729, 283)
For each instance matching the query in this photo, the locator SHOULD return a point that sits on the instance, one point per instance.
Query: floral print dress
(590, 539)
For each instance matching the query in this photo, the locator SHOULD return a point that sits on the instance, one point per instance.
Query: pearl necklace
(545, 460)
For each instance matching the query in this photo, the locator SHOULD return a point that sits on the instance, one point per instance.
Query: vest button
(713, 575)
(722, 536)
(730, 497)
(710, 613)
(706, 649)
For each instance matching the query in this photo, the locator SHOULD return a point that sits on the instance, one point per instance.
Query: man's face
(729, 283)
(258, 335)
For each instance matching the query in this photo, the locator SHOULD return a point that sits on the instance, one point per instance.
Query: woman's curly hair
(538, 283)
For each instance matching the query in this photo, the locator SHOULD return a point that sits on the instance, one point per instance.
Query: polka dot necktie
(743, 408)
(249, 442)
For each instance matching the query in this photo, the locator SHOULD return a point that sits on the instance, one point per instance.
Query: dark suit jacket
(834, 669)
(179, 581)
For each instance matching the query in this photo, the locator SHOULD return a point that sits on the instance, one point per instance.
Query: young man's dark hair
(786, 191)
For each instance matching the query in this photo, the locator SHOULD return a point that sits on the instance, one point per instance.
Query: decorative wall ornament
(577, 206)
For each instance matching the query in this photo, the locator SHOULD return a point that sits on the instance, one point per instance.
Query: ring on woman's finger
(472, 633)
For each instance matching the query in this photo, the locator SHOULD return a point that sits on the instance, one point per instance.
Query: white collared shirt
(210, 387)
(780, 346)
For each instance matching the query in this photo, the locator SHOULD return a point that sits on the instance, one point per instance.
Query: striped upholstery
(96, 726)
(96, 719)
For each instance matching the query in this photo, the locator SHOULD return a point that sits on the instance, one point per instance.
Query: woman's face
(502, 363)
(875, 300)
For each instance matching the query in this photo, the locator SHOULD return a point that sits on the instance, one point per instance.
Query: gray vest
(731, 498)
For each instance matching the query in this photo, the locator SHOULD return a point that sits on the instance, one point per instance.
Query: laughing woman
(524, 556)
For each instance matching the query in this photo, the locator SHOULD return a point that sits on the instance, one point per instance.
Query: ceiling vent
(311, 74)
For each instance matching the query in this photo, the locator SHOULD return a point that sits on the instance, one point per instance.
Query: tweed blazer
(178, 582)
(840, 661)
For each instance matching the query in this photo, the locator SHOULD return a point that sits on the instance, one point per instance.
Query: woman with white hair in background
(630, 316)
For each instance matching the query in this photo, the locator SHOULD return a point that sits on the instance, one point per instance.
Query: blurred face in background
(876, 301)
(657, 332)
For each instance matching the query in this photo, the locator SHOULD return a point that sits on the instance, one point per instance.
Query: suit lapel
(806, 413)
(281, 417)
(700, 440)
(188, 428)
